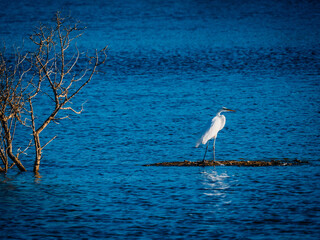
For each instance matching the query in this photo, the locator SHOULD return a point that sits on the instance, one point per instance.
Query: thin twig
(48, 142)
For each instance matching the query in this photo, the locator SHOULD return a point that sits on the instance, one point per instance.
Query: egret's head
(224, 109)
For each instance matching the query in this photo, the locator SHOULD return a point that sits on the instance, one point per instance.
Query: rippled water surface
(171, 66)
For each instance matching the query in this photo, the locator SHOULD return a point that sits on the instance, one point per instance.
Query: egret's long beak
(230, 110)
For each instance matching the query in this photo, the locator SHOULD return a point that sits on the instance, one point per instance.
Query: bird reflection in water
(216, 185)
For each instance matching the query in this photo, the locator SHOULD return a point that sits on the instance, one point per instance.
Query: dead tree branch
(65, 76)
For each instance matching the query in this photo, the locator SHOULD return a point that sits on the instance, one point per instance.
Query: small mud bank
(256, 163)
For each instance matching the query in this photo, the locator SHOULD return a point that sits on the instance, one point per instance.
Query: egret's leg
(205, 152)
(214, 149)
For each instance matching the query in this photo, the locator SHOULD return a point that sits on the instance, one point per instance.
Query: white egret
(212, 129)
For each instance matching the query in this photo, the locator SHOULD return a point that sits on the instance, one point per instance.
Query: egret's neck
(218, 114)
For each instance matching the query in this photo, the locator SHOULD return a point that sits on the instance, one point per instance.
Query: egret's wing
(209, 131)
(223, 121)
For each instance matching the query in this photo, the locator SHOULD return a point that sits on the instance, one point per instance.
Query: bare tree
(58, 74)
(55, 71)
(11, 106)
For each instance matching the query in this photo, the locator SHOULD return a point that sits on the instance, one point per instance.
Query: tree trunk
(9, 147)
(38, 153)
(4, 161)
(15, 159)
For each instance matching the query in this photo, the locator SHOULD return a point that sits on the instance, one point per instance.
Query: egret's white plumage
(212, 129)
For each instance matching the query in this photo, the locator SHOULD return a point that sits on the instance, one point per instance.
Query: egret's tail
(198, 142)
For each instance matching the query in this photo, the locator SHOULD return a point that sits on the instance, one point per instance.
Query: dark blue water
(171, 66)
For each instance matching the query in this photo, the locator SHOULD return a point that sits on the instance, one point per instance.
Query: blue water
(171, 66)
